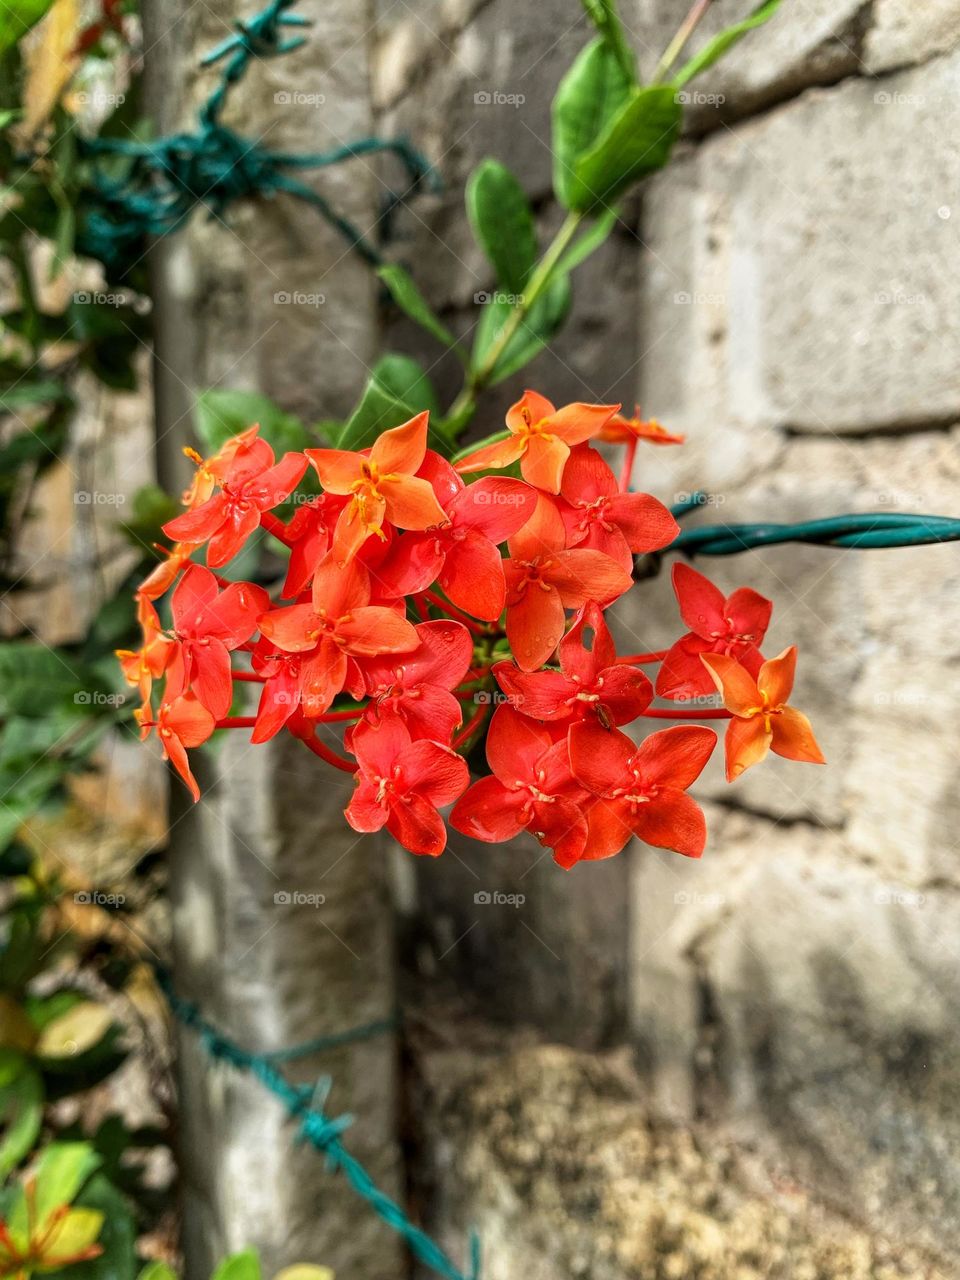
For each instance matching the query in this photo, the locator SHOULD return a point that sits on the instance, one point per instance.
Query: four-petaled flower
(622, 430)
(590, 682)
(402, 783)
(339, 622)
(531, 789)
(251, 482)
(381, 484)
(416, 686)
(541, 437)
(208, 624)
(641, 790)
(544, 578)
(734, 626)
(142, 666)
(597, 515)
(762, 721)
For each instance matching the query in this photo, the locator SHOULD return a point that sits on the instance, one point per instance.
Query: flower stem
(320, 749)
(249, 677)
(273, 524)
(237, 722)
(628, 460)
(684, 32)
(472, 725)
(478, 378)
(639, 659)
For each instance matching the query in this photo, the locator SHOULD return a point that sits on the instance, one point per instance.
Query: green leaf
(502, 222)
(603, 14)
(17, 17)
(412, 302)
(21, 1108)
(157, 1271)
(398, 389)
(35, 680)
(61, 1171)
(240, 1266)
(637, 141)
(30, 393)
(537, 328)
(587, 99)
(589, 242)
(117, 1238)
(221, 414)
(715, 49)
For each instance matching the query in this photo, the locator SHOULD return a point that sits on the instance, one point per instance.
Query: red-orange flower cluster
(411, 593)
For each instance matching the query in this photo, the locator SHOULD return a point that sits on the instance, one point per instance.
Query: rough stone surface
(804, 276)
(901, 32)
(271, 299)
(554, 1158)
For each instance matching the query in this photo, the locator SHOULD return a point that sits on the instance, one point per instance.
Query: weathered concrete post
(281, 917)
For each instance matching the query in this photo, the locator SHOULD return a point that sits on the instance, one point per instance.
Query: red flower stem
(707, 713)
(453, 612)
(320, 749)
(273, 524)
(237, 722)
(249, 677)
(640, 658)
(628, 459)
(335, 717)
(470, 727)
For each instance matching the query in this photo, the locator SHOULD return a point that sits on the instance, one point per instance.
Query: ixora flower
(622, 430)
(544, 577)
(381, 484)
(762, 721)
(250, 483)
(541, 438)
(590, 682)
(413, 602)
(642, 790)
(531, 789)
(734, 626)
(402, 783)
(339, 621)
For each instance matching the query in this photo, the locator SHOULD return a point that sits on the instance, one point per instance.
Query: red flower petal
(489, 811)
(473, 578)
(672, 820)
(515, 744)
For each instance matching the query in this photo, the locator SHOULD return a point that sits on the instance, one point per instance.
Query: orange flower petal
(577, 422)
(535, 625)
(776, 677)
(739, 689)
(338, 469)
(542, 464)
(746, 744)
(493, 456)
(530, 409)
(411, 503)
(401, 449)
(793, 737)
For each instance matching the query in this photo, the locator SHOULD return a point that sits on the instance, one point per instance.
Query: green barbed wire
(306, 1104)
(860, 530)
(169, 177)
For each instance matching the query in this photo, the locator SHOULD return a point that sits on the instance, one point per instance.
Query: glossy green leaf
(636, 142)
(157, 1271)
(397, 390)
(411, 301)
(718, 46)
(588, 98)
(502, 222)
(603, 14)
(537, 328)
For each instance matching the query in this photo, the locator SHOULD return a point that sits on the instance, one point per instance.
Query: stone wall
(784, 294)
